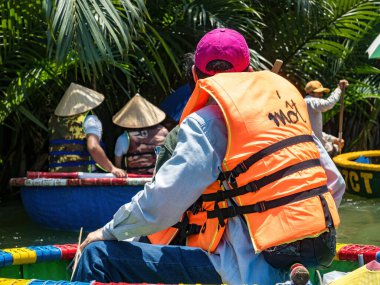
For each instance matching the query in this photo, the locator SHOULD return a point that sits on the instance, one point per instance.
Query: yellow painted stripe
(359, 276)
(22, 255)
(6, 281)
(347, 160)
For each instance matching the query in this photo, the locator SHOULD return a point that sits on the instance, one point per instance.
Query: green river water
(360, 223)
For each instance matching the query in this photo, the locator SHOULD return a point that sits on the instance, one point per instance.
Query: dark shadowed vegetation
(120, 47)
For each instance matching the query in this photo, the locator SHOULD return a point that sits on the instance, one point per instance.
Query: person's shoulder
(92, 119)
(310, 99)
(92, 116)
(122, 140)
(123, 136)
(208, 113)
(209, 119)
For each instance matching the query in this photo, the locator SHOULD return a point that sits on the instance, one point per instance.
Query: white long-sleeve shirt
(195, 164)
(315, 108)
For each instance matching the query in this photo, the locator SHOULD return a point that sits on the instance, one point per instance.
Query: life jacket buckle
(192, 229)
(259, 207)
(252, 187)
(262, 206)
(240, 168)
(232, 180)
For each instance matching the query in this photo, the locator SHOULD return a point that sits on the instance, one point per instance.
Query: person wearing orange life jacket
(143, 134)
(208, 143)
(275, 240)
(75, 134)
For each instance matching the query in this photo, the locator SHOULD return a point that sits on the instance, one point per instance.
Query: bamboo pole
(340, 134)
(77, 254)
(277, 65)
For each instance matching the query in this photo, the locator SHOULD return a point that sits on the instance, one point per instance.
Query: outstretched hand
(91, 237)
(343, 84)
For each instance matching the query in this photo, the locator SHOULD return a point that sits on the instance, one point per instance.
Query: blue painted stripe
(6, 259)
(72, 163)
(62, 141)
(46, 253)
(68, 152)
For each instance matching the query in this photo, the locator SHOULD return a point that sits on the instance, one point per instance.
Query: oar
(340, 134)
(77, 254)
(277, 65)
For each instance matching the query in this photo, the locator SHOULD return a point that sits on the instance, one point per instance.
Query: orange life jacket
(271, 172)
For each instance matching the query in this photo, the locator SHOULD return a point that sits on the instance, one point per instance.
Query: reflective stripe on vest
(262, 109)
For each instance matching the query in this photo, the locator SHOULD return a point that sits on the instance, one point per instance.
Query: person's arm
(335, 181)
(121, 148)
(118, 161)
(323, 105)
(100, 157)
(328, 137)
(179, 183)
(93, 130)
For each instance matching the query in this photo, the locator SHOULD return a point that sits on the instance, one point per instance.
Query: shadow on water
(360, 223)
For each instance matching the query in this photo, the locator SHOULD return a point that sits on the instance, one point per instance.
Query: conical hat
(78, 99)
(138, 113)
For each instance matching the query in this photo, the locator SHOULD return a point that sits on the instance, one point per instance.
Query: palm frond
(92, 28)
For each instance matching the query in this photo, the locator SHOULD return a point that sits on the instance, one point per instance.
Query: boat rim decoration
(346, 160)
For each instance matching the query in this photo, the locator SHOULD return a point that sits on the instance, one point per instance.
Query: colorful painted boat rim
(346, 160)
(48, 265)
(65, 201)
(361, 179)
(44, 253)
(23, 181)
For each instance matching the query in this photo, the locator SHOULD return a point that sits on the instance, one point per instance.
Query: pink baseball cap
(222, 44)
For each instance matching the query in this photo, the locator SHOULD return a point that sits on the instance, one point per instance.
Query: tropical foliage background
(120, 47)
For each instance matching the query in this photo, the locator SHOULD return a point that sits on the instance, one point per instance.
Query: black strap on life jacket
(326, 212)
(129, 154)
(185, 228)
(246, 164)
(259, 207)
(255, 185)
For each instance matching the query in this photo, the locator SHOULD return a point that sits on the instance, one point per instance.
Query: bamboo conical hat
(78, 99)
(138, 113)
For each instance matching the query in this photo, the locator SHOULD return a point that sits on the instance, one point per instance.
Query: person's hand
(343, 84)
(118, 172)
(91, 237)
(336, 141)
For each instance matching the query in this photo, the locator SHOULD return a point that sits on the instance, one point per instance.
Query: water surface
(360, 223)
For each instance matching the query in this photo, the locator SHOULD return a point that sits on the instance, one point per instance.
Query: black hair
(187, 63)
(216, 66)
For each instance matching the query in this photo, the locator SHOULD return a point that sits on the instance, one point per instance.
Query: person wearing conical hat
(76, 134)
(135, 147)
(316, 104)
